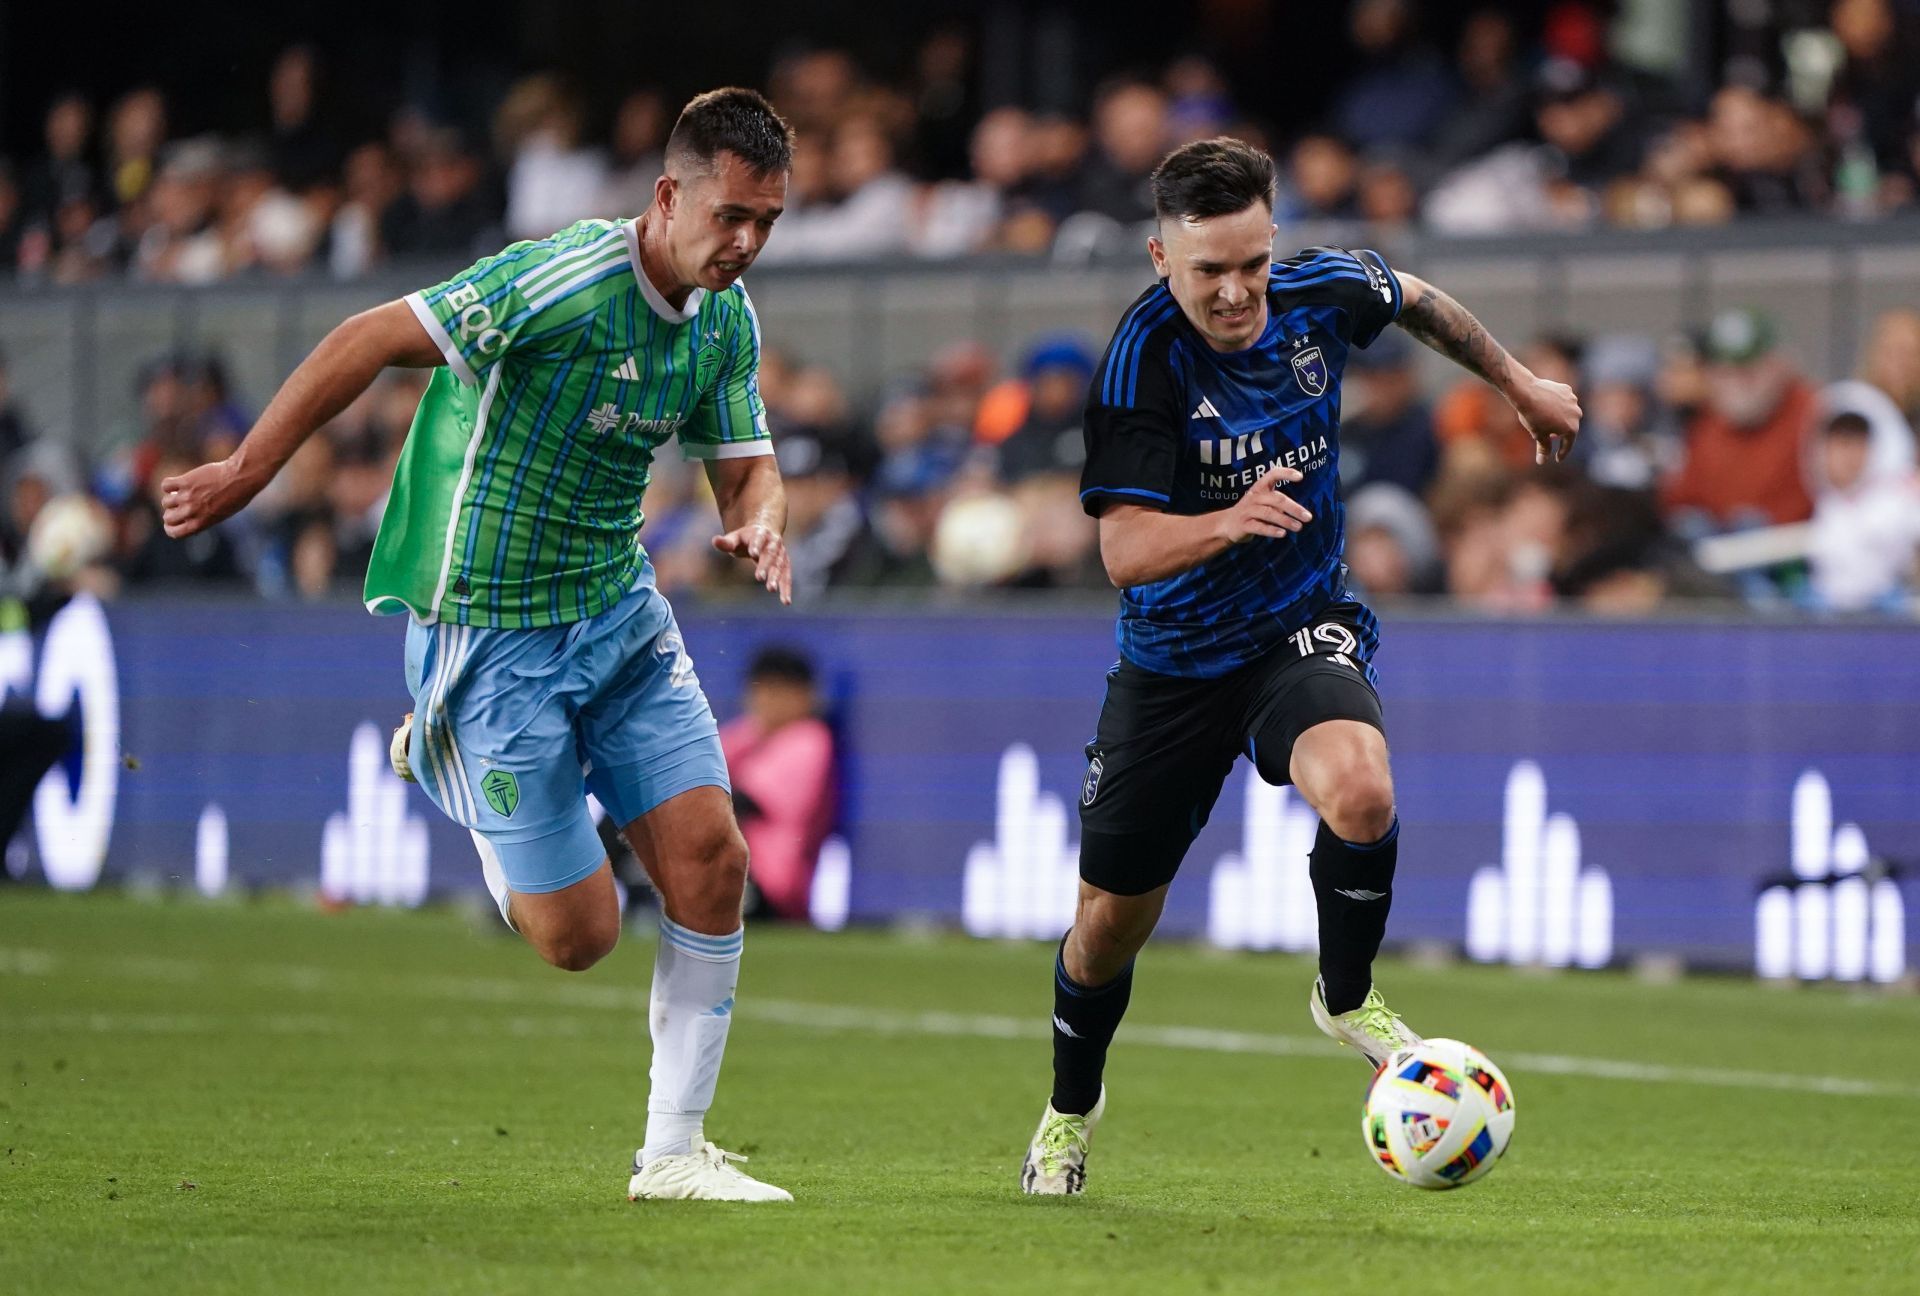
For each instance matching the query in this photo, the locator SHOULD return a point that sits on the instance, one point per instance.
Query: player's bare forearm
(332, 377)
(1549, 410)
(1450, 328)
(748, 492)
(1141, 545)
(753, 512)
(337, 371)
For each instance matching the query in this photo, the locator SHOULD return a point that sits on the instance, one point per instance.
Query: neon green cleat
(1056, 1164)
(1372, 1028)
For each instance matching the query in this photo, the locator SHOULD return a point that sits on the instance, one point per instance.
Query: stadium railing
(75, 353)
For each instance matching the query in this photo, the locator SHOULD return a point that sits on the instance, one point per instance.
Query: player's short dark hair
(1849, 424)
(730, 120)
(1212, 177)
(779, 664)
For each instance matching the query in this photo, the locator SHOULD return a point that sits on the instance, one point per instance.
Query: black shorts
(1166, 743)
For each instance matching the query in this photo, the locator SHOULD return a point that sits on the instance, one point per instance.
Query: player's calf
(572, 928)
(1340, 767)
(696, 858)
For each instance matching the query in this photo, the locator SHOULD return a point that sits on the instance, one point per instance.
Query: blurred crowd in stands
(1509, 129)
(964, 477)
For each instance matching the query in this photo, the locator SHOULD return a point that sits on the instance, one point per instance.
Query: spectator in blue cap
(1056, 372)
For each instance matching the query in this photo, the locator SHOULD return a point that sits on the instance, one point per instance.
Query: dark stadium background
(1285, 58)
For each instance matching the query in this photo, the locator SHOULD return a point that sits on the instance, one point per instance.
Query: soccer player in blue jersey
(1213, 449)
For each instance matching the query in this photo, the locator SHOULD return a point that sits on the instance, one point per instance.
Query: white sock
(693, 980)
(496, 877)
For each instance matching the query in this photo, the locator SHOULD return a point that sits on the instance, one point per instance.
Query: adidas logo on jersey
(628, 371)
(1206, 410)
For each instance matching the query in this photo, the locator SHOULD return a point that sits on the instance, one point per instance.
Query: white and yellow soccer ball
(68, 533)
(1438, 1115)
(980, 540)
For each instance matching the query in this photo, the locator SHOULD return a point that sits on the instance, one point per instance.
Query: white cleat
(1372, 1028)
(397, 749)
(705, 1174)
(1056, 1164)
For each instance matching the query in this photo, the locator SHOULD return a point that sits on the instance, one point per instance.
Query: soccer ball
(1438, 1115)
(68, 533)
(979, 540)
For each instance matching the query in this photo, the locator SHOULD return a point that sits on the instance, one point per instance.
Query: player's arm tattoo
(1450, 328)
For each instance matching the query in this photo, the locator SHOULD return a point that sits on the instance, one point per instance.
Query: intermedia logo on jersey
(1222, 451)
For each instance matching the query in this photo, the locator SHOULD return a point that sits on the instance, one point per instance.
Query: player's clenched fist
(201, 497)
(1264, 511)
(1551, 414)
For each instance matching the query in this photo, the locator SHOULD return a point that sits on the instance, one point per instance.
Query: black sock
(1353, 889)
(1084, 1020)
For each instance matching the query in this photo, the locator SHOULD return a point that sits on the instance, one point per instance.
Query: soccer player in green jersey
(543, 662)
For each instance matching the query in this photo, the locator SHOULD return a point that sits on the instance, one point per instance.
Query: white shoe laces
(719, 1158)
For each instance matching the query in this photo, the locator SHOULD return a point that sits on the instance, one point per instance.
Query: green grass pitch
(265, 1099)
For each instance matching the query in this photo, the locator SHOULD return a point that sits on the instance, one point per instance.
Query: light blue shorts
(512, 728)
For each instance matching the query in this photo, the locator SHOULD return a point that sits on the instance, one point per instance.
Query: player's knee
(712, 889)
(1359, 805)
(1105, 938)
(576, 952)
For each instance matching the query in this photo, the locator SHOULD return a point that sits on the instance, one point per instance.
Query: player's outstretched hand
(1551, 413)
(768, 552)
(1264, 511)
(202, 497)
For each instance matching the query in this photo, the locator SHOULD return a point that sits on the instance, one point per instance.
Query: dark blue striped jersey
(1177, 426)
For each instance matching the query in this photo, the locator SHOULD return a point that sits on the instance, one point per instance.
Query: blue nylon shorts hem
(633, 788)
(529, 865)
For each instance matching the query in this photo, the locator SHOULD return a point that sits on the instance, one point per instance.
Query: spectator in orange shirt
(780, 757)
(1746, 448)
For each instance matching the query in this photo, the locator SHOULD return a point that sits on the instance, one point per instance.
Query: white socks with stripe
(693, 980)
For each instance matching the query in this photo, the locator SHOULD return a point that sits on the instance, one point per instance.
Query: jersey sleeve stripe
(1116, 355)
(727, 449)
(1124, 490)
(589, 273)
(417, 303)
(554, 266)
(1320, 277)
(1140, 345)
(1315, 257)
(1150, 317)
(1122, 355)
